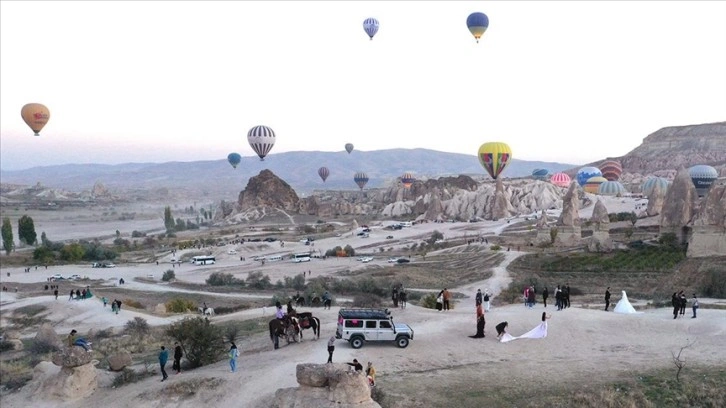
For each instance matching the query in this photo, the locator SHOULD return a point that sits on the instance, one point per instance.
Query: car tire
(356, 342)
(402, 341)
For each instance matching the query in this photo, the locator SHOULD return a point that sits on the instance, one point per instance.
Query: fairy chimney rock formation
(600, 240)
(708, 237)
(655, 200)
(568, 224)
(499, 205)
(326, 386)
(680, 202)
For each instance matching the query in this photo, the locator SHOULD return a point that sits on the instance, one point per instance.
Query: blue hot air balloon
(540, 174)
(587, 173)
(702, 177)
(477, 24)
(370, 25)
(234, 159)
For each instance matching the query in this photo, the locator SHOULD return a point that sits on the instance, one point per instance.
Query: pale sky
(135, 81)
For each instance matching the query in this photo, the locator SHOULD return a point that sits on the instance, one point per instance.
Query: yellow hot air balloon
(494, 157)
(35, 115)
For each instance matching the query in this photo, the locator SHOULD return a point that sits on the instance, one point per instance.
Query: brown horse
(307, 320)
(282, 328)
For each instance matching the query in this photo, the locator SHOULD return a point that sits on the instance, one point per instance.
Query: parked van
(274, 258)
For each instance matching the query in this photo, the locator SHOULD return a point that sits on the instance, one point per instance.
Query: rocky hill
(666, 150)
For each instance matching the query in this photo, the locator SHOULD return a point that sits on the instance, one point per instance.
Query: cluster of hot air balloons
(477, 23)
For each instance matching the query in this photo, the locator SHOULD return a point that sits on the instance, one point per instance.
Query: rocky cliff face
(709, 225)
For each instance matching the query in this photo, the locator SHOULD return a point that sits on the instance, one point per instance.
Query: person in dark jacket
(501, 328)
(358, 366)
(478, 298)
(607, 298)
(480, 322)
(675, 302)
(545, 295)
(177, 358)
(163, 358)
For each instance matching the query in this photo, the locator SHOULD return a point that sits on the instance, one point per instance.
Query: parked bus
(274, 258)
(301, 258)
(203, 260)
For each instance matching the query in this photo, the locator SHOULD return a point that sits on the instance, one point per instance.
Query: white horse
(208, 312)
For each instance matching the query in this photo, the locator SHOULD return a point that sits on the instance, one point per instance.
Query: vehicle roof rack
(365, 313)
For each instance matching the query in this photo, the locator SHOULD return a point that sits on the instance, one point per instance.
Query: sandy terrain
(582, 345)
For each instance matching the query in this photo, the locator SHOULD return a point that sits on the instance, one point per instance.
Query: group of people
(370, 371)
(679, 303)
(164, 358)
(443, 300)
(485, 298)
(79, 295)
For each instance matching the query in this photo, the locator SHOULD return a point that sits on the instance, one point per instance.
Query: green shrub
(202, 342)
(41, 347)
(6, 346)
(138, 326)
(224, 279)
(714, 284)
(134, 303)
(179, 305)
(495, 247)
(428, 301)
(230, 309)
(367, 300)
(129, 376)
(168, 275)
(257, 281)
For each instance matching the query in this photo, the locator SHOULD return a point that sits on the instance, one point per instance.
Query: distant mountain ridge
(217, 179)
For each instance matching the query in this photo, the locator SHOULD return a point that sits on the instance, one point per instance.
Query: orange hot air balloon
(35, 115)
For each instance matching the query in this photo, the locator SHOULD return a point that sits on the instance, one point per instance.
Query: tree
(169, 223)
(202, 342)
(44, 239)
(72, 253)
(7, 234)
(26, 230)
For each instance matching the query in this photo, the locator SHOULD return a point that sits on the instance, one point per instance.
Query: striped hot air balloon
(560, 179)
(323, 172)
(361, 179)
(407, 179)
(494, 157)
(611, 170)
(261, 138)
(370, 26)
(593, 184)
(612, 188)
(649, 185)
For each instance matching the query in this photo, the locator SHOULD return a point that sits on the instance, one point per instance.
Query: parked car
(57, 276)
(389, 237)
(74, 277)
(270, 239)
(108, 265)
(231, 252)
(358, 326)
(403, 260)
(392, 260)
(367, 259)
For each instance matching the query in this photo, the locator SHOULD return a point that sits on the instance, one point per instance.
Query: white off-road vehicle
(358, 326)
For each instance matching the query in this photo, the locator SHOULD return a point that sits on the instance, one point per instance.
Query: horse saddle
(305, 323)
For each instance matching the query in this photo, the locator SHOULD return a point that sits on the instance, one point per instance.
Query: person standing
(558, 297)
(684, 302)
(177, 358)
(371, 374)
(694, 306)
(487, 300)
(163, 358)
(676, 303)
(440, 301)
(478, 298)
(545, 294)
(55, 292)
(566, 296)
(607, 298)
(447, 299)
(233, 354)
(331, 348)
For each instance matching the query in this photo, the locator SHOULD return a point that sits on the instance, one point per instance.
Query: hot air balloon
(650, 184)
(593, 183)
(477, 23)
(261, 138)
(35, 115)
(407, 179)
(494, 157)
(370, 25)
(702, 177)
(234, 159)
(361, 179)
(611, 170)
(540, 174)
(612, 188)
(323, 172)
(349, 147)
(586, 173)
(560, 179)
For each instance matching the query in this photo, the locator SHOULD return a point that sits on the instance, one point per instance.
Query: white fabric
(538, 332)
(624, 306)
